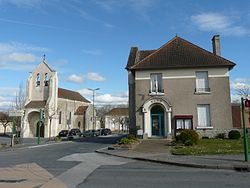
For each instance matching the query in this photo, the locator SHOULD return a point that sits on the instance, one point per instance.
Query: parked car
(109, 131)
(105, 131)
(74, 133)
(63, 133)
(90, 133)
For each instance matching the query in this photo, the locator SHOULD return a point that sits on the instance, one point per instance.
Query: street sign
(15, 113)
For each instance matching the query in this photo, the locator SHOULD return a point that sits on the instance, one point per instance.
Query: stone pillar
(169, 123)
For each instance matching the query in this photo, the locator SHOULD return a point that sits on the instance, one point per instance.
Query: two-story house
(63, 109)
(179, 86)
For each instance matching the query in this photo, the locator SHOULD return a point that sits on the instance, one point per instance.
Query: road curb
(192, 165)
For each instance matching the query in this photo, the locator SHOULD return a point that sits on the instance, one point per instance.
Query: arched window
(38, 80)
(46, 81)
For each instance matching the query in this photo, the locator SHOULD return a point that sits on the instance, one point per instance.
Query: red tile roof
(177, 53)
(81, 110)
(71, 95)
(118, 112)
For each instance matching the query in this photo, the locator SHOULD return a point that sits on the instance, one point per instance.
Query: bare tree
(244, 91)
(101, 112)
(4, 120)
(18, 104)
(121, 120)
(20, 98)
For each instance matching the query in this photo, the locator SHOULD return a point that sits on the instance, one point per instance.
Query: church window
(38, 80)
(46, 81)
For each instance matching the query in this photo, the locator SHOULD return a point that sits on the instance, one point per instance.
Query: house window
(38, 80)
(46, 81)
(60, 117)
(202, 82)
(184, 122)
(204, 118)
(156, 83)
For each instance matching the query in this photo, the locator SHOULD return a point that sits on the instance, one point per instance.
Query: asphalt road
(75, 164)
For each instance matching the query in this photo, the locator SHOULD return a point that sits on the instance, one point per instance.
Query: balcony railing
(202, 90)
(158, 91)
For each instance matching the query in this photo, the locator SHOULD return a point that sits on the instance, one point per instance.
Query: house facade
(117, 119)
(179, 86)
(62, 108)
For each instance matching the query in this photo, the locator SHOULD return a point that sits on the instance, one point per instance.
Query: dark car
(105, 131)
(90, 133)
(108, 131)
(74, 133)
(63, 133)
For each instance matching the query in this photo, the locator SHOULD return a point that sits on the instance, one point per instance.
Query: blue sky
(88, 41)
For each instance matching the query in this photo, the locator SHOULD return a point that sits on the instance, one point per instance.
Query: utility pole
(93, 113)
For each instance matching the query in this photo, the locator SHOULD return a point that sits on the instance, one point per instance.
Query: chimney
(216, 44)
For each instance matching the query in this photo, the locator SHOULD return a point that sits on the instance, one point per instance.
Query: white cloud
(7, 96)
(22, 3)
(216, 22)
(111, 99)
(19, 56)
(85, 92)
(95, 77)
(23, 47)
(105, 99)
(240, 83)
(75, 78)
(92, 52)
(239, 87)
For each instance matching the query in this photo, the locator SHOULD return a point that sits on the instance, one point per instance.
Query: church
(63, 108)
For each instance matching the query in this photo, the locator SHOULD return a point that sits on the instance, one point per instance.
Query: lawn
(211, 146)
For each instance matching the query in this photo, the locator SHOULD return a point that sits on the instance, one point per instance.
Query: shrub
(221, 135)
(131, 137)
(126, 141)
(178, 138)
(58, 139)
(189, 137)
(234, 134)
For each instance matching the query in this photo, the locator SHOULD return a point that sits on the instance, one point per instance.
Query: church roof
(71, 95)
(81, 110)
(177, 53)
(35, 104)
(118, 112)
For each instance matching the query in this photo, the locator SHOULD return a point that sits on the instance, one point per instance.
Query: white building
(117, 119)
(63, 109)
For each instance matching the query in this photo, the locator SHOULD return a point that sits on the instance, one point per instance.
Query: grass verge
(210, 147)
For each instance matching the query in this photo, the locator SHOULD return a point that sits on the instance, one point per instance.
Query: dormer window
(38, 79)
(46, 81)
(156, 86)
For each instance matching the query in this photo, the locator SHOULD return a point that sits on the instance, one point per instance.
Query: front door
(157, 125)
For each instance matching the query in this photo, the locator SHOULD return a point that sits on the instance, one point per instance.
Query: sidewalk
(158, 150)
(29, 143)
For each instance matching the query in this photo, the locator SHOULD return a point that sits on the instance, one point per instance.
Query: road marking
(89, 163)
